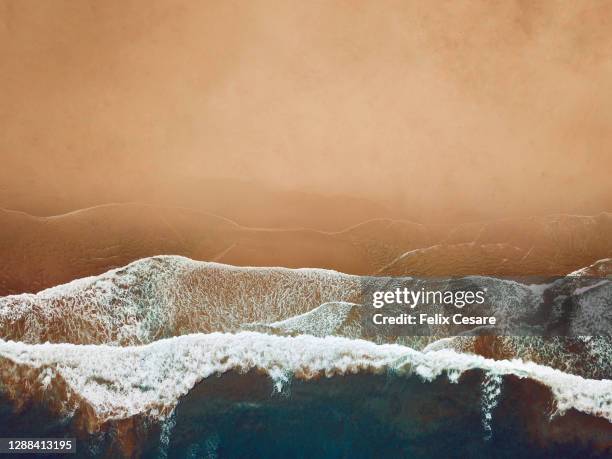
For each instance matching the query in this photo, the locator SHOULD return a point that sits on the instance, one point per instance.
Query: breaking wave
(166, 296)
(94, 387)
(169, 357)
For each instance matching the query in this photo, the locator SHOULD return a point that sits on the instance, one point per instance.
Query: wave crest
(120, 382)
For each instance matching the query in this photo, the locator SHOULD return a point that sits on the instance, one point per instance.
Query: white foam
(581, 290)
(324, 320)
(119, 382)
(166, 296)
(600, 267)
(491, 389)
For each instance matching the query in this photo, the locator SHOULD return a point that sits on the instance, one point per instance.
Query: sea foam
(119, 382)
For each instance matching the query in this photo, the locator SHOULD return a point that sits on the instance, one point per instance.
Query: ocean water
(170, 358)
(352, 416)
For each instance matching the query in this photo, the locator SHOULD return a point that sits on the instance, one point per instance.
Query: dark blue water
(359, 416)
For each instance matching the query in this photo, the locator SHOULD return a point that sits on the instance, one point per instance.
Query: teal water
(358, 416)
